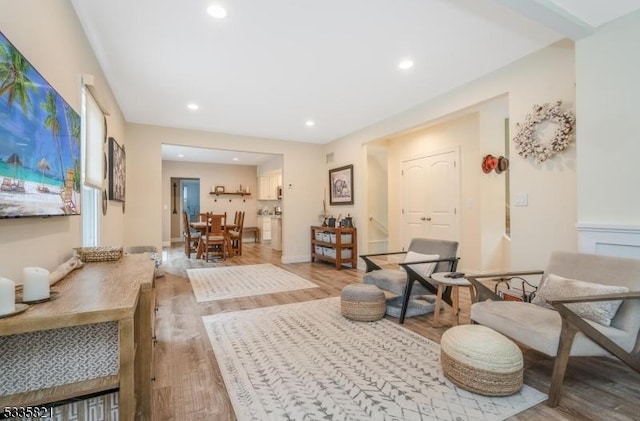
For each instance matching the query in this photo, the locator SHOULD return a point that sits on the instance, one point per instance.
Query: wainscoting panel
(609, 240)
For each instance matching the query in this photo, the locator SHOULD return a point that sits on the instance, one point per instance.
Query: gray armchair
(561, 331)
(410, 281)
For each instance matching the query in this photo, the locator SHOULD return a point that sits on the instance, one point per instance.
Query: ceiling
(272, 65)
(213, 156)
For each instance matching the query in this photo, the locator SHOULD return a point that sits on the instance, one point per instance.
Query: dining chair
(190, 236)
(214, 239)
(235, 234)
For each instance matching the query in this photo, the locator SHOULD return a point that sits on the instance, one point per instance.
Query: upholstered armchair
(424, 256)
(586, 305)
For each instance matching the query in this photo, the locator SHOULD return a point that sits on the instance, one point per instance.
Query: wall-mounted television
(39, 142)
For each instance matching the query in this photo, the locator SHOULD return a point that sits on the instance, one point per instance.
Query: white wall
(492, 200)
(272, 166)
(303, 170)
(49, 35)
(548, 223)
(608, 104)
(378, 199)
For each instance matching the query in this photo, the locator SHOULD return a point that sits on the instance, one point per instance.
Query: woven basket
(364, 303)
(99, 254)
(480, 360)
(480, 381)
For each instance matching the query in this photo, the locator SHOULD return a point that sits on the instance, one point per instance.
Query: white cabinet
(264, 183)
(274, 183)
(264, 222)
(276, 233)
(268, 186)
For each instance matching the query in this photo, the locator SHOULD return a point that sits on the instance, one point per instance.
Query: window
(92, 171)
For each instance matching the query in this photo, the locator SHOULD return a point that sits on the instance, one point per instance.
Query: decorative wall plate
(105, 129)
(104, 201)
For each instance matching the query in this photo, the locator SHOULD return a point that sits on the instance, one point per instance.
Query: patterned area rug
(222, 283)
(305, 361)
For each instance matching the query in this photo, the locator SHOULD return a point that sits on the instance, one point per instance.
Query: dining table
(201, 226)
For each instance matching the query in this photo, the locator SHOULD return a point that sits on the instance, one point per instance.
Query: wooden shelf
(230, 194)
(60, 393)
(335, 246)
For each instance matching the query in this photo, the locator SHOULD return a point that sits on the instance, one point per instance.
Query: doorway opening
(185, 197)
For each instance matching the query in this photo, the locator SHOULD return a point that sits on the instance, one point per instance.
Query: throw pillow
(423, 269)
(557, 287)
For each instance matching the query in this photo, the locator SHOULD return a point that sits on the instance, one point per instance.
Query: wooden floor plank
(189, 384)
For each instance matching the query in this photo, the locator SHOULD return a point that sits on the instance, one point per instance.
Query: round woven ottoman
(481, 360)
(362, 302)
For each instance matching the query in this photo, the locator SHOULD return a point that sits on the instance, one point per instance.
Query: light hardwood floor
(188, 384)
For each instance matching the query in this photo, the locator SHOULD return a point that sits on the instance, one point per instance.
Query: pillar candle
(35, 284)
(7, 296)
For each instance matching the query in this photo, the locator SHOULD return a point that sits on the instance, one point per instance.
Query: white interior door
(431, 191)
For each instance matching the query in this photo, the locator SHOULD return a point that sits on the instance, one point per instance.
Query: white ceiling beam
(549, 14)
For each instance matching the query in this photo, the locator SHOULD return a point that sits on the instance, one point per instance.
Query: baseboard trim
(295, 259)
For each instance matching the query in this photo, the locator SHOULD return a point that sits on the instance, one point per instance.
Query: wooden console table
(119, 292)
(338, 245)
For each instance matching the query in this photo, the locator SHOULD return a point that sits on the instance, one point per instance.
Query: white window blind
(94, 138)
(90, 195)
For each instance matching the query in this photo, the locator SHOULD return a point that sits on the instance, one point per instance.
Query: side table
(455, 284)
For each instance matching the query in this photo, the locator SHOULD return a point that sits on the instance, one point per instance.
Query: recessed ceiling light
(217, 11)
(309, 123)
(193, 106)
(236, 159)
(180, 155)
(405, 64)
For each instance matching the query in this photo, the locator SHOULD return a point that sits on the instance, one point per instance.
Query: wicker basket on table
(99, 254)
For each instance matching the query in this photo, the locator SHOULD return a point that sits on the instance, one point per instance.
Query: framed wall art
(117, 164)
(341, 186)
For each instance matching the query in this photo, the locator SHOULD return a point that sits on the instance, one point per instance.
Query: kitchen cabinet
(276, 233)
(334, 245)
(264, 223)
(268, 186)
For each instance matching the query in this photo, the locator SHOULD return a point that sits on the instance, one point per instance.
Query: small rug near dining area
(305, 361)
(222, 283)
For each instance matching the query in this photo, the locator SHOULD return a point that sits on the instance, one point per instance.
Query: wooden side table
(455, 283)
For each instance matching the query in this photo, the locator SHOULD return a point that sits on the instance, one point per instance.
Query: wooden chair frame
(413, 276)
(190, 238)
(571, 324)
(215, 236)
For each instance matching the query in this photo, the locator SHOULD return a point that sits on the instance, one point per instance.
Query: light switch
(521, 199)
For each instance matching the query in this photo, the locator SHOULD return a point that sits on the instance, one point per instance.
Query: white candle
(35, 284)
(7, 296)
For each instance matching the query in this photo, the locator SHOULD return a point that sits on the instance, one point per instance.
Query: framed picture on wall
(117, 163)
(341, 186)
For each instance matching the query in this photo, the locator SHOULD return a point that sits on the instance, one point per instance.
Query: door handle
(425, 219)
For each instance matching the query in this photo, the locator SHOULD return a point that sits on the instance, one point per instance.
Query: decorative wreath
(525, 139)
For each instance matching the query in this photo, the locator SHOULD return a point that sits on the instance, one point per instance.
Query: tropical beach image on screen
(39, 142)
